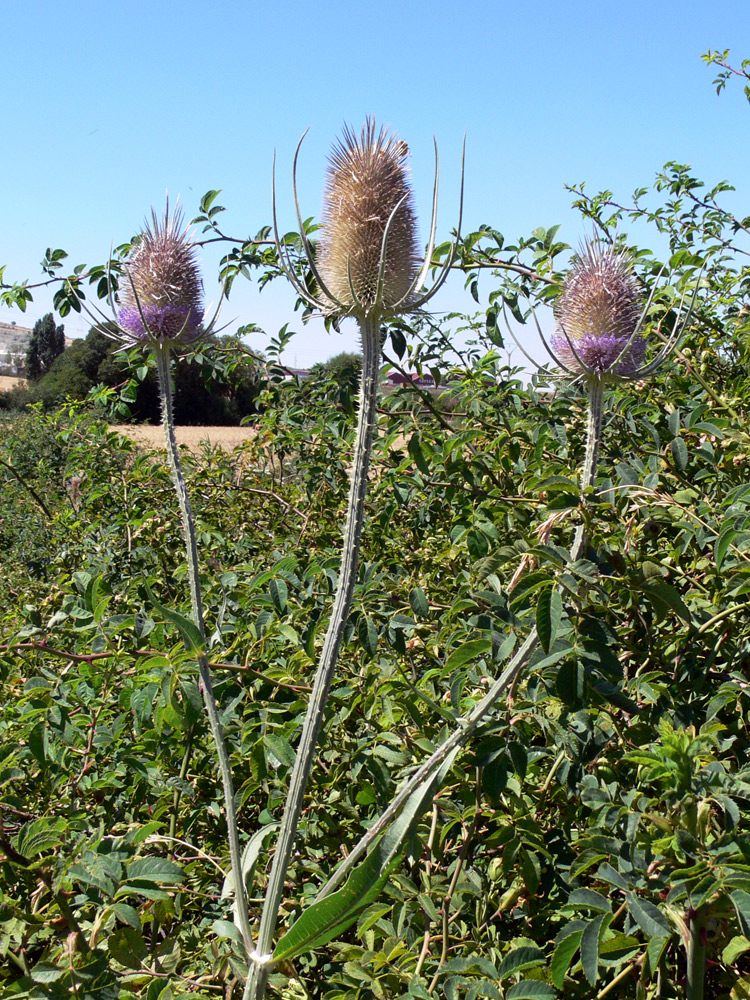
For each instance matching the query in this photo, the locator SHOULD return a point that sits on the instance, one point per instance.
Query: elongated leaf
(548, 616)
(331, 916)
(468, 651)
(250, 857)
(563, 954)
(40, 835)
(189, 631)
(590, 940)
(531, 989)
(649, 918)
(525, 957)
(418, 602)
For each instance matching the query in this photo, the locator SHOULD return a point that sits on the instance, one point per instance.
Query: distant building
(14, 342)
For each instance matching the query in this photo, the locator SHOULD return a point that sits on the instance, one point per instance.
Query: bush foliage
(594, 819)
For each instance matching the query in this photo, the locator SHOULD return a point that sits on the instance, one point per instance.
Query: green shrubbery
(593, 836)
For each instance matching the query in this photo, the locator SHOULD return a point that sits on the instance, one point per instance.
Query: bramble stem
(191, 549)
(305, 760)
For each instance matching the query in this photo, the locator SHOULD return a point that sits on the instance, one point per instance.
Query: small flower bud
(598, 313)
(367, 179)
(162, 293)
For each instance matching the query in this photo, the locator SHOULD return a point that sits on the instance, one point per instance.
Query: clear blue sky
(108, 105)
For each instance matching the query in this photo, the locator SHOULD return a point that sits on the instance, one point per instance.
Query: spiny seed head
(367, 178)
(162, 292)
(598, 313)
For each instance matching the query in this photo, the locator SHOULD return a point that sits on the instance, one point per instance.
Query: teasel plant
(366, 267)
(600, 340)
(161, 309)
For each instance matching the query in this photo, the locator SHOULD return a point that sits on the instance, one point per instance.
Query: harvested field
(8, 382)
(193, 437)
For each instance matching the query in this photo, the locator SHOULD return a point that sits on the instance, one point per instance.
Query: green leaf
(590, 940)
(281, 749)
(467, 651)
(531, 989)
(665, 598)
(189, 631)
(589, 899)
(418, 602)
(741, 901)
(156, 870)
(279, 594)
(736, 947)
(250, 856)
(525, 957)
(548, 616)
(565, 948)
(368, 635)
(44, 973)
(333, 914)
(649, 918)
(40, 835)
(126, 946)
(320, 923)
(723, 542)
(680, 453)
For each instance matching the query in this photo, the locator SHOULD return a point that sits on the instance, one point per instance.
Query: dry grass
(8, 382)
(194, 437)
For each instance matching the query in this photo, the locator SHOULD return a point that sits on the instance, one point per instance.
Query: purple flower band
(163, 322)
(599, 353)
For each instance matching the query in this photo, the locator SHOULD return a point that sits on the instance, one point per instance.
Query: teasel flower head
(161, 299)
(368, 190)
(367, 264)
(598, 315)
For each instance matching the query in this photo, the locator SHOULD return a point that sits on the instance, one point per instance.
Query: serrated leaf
(467, 651)
(649, 918)
(589, 899)
(189, 631)
(590, 940)
(562, 956)
(333, 914)
(736, 947)
(525, 957)
(40, 835)
(680, 453)
(548, 616)
(126, 946)
(157, 870)
(280, 748)
(418, 602)
(531, 989)
(279, 594)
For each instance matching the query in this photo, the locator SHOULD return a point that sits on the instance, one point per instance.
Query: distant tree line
(204, 393)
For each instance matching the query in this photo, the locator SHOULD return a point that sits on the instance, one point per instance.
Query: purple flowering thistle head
(368, 189)
(161, 298)
(598, 315)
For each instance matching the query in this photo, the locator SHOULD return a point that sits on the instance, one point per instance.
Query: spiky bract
(598, 314)
(162, 291)
(367, 178)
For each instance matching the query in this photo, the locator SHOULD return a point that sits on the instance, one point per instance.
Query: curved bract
(367, 263)
(600, 320)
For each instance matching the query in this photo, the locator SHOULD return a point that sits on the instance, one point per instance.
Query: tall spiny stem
(595, 387)
(305, 760)
(501, 685)
(191, 549)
